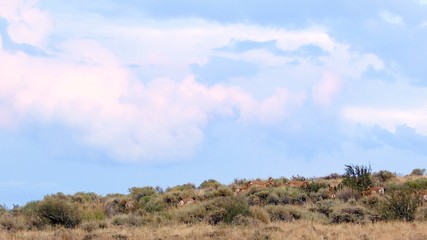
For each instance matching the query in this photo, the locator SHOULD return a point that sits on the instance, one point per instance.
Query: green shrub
(346, 194)
(233, 206)
(298, 178)
(211, 183)
(315, 186)
(283, 213)
(324, 207)
(12, 223)
(400, 205)
(93, 225)
(215, 211)
(383, 176)
(260, 197)
(120, 220)
(357, 177)
(260, 214)
(418, 172)
(333, 176)
(221, 191)
(3, 209)
(348, 214)
(184, 187)
(137, 193)
(156, 205)
(92, 214)
(418, 184)
(59, 212)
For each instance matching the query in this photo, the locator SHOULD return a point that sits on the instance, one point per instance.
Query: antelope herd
(333, 186)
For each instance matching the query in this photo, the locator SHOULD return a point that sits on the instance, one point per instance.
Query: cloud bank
(84, 82)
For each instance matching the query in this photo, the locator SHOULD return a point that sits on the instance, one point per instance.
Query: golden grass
(294, 230)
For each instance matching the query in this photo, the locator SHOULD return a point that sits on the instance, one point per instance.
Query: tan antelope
(262, 184)
(243, 188)
(296, 183)
(186, 201)
(332, 190)
(373, 190)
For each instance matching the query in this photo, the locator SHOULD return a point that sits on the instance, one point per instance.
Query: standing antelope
(332, 190)
(262, 184)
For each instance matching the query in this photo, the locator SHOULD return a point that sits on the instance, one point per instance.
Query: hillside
(262, 208)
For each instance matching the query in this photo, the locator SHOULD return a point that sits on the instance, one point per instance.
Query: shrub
(315, 186)
(260, 197)
(324, 207)
(12, 223)
(93, 214)
(346, 194)
(221, 191)
(120, 220)
(400, 205)
(137, 193)
(418, 172)
(246, 221)
(215, 211)
(357, 177)
(233, 206)
(298, 178)
(3, 209)
(157, 205)
(283, 213)
(260, 214)
(92, 225)
(58, 212)
(333, 176)
(184, 187)
(348, 214)
(418, 184)
(213, 184)
(384, 176)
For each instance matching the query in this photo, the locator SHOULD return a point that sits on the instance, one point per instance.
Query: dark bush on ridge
(58, 212)
(384, 176)
(417, 184)
(137, 193)
(400, 205)
(346, 194)
(215, 211)
(211, 183)
(357, 177)
(350, 214)
(418, 172)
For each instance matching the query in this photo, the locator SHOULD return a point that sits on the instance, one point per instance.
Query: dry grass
(294, 230)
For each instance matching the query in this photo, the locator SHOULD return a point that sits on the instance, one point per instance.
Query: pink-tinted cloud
(324, 92)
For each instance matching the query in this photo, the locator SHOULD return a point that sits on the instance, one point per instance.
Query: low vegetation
(244, 209)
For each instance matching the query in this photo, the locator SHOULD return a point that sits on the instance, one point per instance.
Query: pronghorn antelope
(332, 190)
(186, 201)
(373, 190)
(295, 183)
(262, 184)
(242, 189)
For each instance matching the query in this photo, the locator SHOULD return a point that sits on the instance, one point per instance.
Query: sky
(101, 96)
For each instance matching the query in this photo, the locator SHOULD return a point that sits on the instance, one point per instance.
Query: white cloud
(391, 18)
(388, 118)
(27, 23)
(85, 86)
(324, 92)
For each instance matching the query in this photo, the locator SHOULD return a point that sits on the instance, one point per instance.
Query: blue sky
(102, 96)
